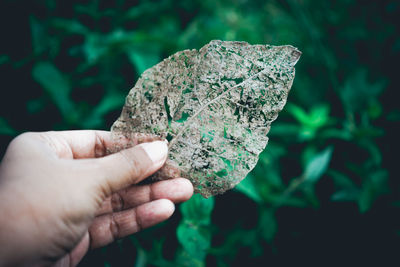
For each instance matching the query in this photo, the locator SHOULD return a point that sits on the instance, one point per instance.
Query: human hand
(60, 194)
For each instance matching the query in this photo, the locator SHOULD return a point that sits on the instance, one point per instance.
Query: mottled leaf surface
(214, 106)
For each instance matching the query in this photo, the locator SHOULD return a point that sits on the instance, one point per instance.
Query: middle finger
(176, 190)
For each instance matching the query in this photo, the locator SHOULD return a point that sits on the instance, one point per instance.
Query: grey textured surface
(215, 106)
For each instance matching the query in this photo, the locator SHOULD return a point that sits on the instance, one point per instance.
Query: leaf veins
(215, 105)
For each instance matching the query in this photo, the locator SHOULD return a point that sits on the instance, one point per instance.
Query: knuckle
(23, 138)
(21, 143)
(117, 202)
(49, 139)
(134, 168)
(100, 148)
(104, 187)
(151, 192)
(114, 227)
(138, 220)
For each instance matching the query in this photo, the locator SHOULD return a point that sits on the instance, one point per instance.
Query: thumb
(130, 166)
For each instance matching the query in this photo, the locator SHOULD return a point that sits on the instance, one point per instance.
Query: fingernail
(157, 151)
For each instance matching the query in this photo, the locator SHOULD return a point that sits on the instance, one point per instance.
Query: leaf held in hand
(214, 106)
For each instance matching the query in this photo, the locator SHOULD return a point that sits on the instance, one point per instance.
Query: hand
(60, 194)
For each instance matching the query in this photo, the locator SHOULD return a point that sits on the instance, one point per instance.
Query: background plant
(325, 190)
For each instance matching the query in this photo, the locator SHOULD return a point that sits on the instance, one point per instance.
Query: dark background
(325, 191)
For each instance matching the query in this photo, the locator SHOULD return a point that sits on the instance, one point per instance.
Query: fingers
(129, 166)
(176, 190)
(76, 255)
(86, 143)
(95, 144)
(107, 228)
(81, 144)
(70, 144)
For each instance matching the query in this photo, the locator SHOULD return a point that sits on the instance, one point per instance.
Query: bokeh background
(326, 191)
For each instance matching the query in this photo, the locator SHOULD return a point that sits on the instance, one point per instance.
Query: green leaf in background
(268, 224)
(394, 116)
(184, 259)
(319, 116)
(310, 122)
(317, 165)
(374, 185)
(198, 209)
(95, 47)
(298, 113)
(195, 240)
(193, 232)
(57, 86)
(282, 129)
(341, 180)
(375, 158)
(343, 134)
(99, 46)
(112, 101)
(358, 93)
(4, 59)
(248, 187)
(291, 201)
(39, 37)
(143, 59)
(36, 105)
(69, 26)
(350, 194)
(5, 128)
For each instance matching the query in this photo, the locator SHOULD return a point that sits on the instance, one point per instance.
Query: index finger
(91, 143)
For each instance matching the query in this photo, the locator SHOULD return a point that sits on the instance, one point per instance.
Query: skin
(61, 195)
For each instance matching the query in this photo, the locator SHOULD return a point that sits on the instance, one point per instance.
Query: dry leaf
(215, 107)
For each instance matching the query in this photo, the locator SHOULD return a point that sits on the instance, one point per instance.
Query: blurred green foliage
(326, 186)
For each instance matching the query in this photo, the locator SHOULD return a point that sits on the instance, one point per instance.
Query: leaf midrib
(190, 120)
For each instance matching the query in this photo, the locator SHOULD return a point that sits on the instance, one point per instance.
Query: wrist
(15, 241)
